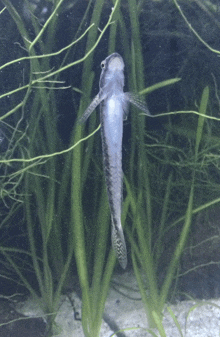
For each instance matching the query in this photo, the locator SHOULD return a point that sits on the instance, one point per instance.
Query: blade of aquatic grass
(102, 270)
(12, 111)
(166, 200)
(30, 229)
(90, 145)
(78, 233)
(61, 202)
(145, 293)
(46, 228)
(139, 174)
(159, 85)
(125, 37)
(139, 165)
(2, 10)
(104, 288)
(44, 276)
(159, 324)
(178, 250)
(137, 47)
(148, 199)
(63, 276)
(102, 224)
(182, 112)
(152, 301)
(145, 257)
(113, 32)
(202, 111)
(175, 320)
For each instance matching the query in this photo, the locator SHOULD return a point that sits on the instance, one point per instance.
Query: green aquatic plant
(216, 51)
(93, 270)
(63, 192)
(44, 191)
(149, 249)
(145, 254)
(46, 184)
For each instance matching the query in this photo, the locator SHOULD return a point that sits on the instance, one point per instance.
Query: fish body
(113, 109)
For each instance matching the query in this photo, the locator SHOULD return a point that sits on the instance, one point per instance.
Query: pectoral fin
(137, 101)
(118, 244)
(93, 105)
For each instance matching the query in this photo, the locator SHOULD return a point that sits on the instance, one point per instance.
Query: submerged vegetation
(53, 195)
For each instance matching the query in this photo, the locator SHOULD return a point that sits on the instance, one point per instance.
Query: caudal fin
(118, 244)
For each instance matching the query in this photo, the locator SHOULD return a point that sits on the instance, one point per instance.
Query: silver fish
(113, 110)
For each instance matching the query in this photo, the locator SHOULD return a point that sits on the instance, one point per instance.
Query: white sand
(124, 309)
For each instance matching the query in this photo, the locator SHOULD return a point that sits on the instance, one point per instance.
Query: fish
(114, 107)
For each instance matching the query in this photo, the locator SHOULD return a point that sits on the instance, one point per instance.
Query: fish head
(112, 76)
(114, 62)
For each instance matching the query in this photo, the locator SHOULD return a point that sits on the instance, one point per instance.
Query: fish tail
(118, 243)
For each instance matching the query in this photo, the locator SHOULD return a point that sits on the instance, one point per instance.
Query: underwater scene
(109, 168)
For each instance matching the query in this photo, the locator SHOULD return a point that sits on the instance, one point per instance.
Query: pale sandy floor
(125, 312)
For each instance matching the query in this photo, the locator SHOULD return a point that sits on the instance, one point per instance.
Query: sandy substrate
(124, 310)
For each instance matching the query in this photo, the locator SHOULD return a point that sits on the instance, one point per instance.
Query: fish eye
(103, 64)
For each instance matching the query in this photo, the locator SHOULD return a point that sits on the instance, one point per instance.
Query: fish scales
(112, 159)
